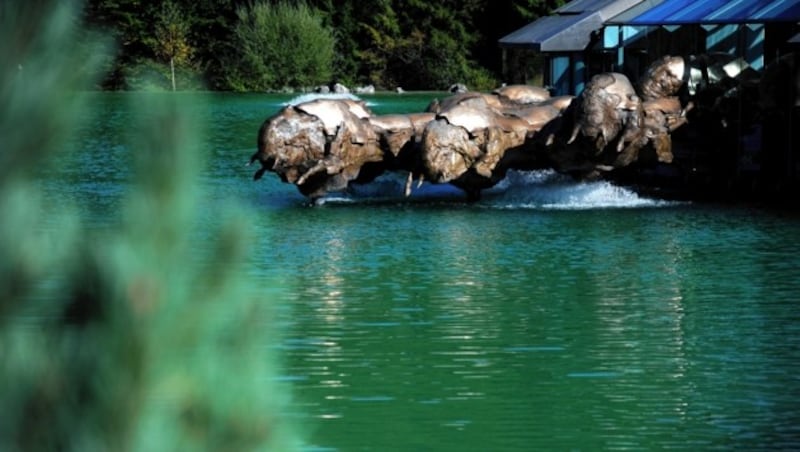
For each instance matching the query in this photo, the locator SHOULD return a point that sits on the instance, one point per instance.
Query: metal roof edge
(633, 12)
(664, 12)
(556, 40)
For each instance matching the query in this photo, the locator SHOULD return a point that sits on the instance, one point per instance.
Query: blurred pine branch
(147, 348)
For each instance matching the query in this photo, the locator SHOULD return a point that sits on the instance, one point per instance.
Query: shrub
(278, 46)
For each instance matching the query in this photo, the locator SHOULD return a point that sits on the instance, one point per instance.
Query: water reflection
(537, 331)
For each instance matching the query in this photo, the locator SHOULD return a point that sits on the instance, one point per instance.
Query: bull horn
(574, 135)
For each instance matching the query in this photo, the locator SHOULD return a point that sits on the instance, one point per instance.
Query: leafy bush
(480, 79)
(281, 45)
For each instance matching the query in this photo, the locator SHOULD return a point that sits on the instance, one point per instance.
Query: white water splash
(335, 199)
(547, 189)
(308, 97)
(543, 189)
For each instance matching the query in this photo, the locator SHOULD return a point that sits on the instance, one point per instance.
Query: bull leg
(473, 195)
(678, 122)
(259, 173)
(318, 168)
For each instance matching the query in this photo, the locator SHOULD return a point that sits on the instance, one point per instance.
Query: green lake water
(551, 315)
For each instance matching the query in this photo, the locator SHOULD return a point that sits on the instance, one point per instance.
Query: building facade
(586, 37)
(744, 77)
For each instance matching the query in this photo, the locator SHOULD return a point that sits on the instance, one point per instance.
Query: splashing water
(541, 189)
(308, 97)
(547, 189)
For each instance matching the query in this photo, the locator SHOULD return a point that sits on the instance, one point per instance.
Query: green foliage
(151, 75)
(425, 46)
(344, 18)
(446, 62)
(280, 45)
(132, 25)
(171, 33)
(129, 337)
(391, 55)
(480, 79)
(171, 38)
(530, 10)
(129, 25)
(416, 44)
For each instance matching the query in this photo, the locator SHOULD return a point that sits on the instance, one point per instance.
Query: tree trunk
(172, 67)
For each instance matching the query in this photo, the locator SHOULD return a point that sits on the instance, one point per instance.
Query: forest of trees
(244, 45)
